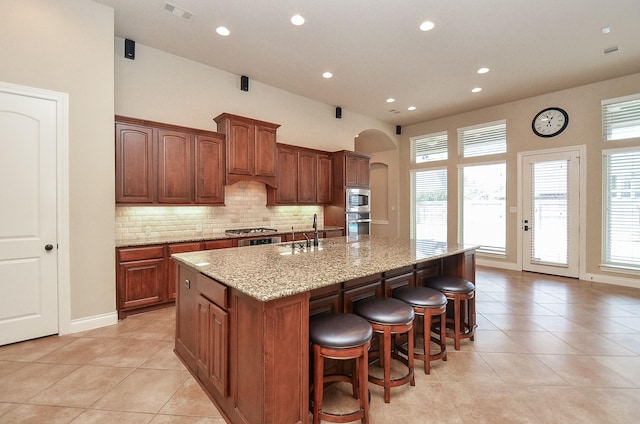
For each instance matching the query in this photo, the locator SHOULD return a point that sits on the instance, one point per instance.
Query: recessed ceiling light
(224, 31)
(327, 75)
(427, 26)
(297, 20)
(411, 108)
(483, 70)
(476, 90)
(606, 30)
(391, 100)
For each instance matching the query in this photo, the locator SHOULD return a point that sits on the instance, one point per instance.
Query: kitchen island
(242, 314)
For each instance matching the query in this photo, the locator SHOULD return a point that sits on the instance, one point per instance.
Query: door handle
(48, 247)
(526, 228)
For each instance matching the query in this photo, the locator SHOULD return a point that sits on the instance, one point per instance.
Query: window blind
(621, 207)
(429, 148)
(482, 140)
(621, 118)
(430, 195)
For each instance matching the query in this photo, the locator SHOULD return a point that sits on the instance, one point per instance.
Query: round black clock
(550, 122)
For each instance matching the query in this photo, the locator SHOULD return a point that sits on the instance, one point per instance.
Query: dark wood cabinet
(350, 169)
(140, 279)
(135, 176)
(218, 244)
(171, 264)
(186, 317)
(304, 177)
(212, 358)
(159, 163)
(251, 148)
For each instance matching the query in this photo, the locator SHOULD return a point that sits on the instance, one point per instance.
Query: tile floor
(547, 350)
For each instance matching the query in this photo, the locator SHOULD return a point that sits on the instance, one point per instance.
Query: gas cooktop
(245, 231)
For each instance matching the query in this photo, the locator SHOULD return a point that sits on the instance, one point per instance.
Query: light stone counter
(271, 272)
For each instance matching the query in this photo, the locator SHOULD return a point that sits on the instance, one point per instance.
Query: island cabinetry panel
(140, 278)
(186, 317)
(158, 163)
(401, 277)
(171, 264)
(269, 359)
(427, 270)
(251, 148)
(325, 300)
(213, 335)
(361, 288)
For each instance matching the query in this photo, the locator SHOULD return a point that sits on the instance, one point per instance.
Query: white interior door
(551, 213)
(28, 244)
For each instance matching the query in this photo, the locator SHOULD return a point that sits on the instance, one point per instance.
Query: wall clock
(550, 122)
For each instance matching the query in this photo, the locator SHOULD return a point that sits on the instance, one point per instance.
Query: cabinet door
(141, 283)
(306, 177)
(265, 151)
(287, 176)
(172, 264)
(362, 165)
(175, 169)
(134, 164)
(351, 177)
(240, 148)
(209, 164)
(212, 345)
(218, 244)
(324, 181)
(186, 316)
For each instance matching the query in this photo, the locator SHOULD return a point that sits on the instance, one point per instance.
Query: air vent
(177, 11)
(610, 50)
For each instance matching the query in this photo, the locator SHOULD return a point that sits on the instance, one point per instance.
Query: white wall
(67, 46)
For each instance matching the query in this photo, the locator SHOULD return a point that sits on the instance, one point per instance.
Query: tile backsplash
(245, 208)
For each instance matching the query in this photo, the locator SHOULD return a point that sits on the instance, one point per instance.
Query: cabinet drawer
(212, 290)
(218, 244)
(184, 247)
(140, 253)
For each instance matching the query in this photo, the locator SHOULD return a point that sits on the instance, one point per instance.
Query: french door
(551, 213)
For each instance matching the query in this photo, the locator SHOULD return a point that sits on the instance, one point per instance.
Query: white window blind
(430, 204)
(483, 215)
(621, 204)
(429, 148)
(621, 118)
(482, 140)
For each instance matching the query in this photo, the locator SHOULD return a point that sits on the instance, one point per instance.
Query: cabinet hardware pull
(187, 283)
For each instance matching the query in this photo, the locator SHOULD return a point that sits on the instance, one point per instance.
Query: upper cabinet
(251, 149)
(350, 169)
(165, 164)
(304, 177)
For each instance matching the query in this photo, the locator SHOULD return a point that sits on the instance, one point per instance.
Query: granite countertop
(187, 239)
(274, 271)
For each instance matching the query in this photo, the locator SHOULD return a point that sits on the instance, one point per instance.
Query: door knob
(48, 247)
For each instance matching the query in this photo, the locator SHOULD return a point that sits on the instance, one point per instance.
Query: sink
(299, 247)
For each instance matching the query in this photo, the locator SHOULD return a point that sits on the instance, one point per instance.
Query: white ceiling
(375, 50)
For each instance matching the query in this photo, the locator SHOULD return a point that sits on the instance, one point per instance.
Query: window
(430, 204)
(429, 148)
(482, 140)
(621, 214)
(621, 118)
(483, 215)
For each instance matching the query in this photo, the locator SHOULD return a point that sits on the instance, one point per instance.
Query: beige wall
(583, 105)
(67, 46)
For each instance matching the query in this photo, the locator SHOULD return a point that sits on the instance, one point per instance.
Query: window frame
(609, 122)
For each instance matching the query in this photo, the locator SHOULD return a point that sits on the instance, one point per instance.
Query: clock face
(550, 122)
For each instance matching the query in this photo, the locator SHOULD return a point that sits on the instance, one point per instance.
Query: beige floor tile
(464, 367)
(39, 414)
(7, 367)
(541, 342)
(164, 359)
(521, 369)
(128, 353)
(628, 341)
(621, 405)
(496, 341)
(627, 366)
(143, 391)
(513, 322)
(34, 349)
(580, 370)
(83, 387)
(31, 380)
(190, 400)
(93, 416)
(594, 344)
(80, 351)
(172, 419)
(6, 407)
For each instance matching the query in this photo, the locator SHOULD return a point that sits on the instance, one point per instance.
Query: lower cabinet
(212, 345)
(186, 316)
(140, 278)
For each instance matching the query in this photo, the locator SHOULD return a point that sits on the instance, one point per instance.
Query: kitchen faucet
(315, 230)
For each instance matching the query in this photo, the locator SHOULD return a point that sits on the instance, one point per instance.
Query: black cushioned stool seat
(462, 293)
(340, 336)
(389, 317)
(427, 303)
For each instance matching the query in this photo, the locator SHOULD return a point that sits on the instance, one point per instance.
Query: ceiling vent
(610, 50)
(394, 111)
(179, 12)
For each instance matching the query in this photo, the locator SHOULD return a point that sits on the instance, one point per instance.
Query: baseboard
(613, 280)
(497, 264)
(93, 322)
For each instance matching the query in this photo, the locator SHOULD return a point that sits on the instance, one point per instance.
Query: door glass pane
(430, 204)
(550, 224)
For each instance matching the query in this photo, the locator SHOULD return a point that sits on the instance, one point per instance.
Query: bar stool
(343, 337)
(427, 303)
(462, 293)
(389, 317)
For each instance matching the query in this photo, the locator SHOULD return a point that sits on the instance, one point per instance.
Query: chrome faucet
(315, 230)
